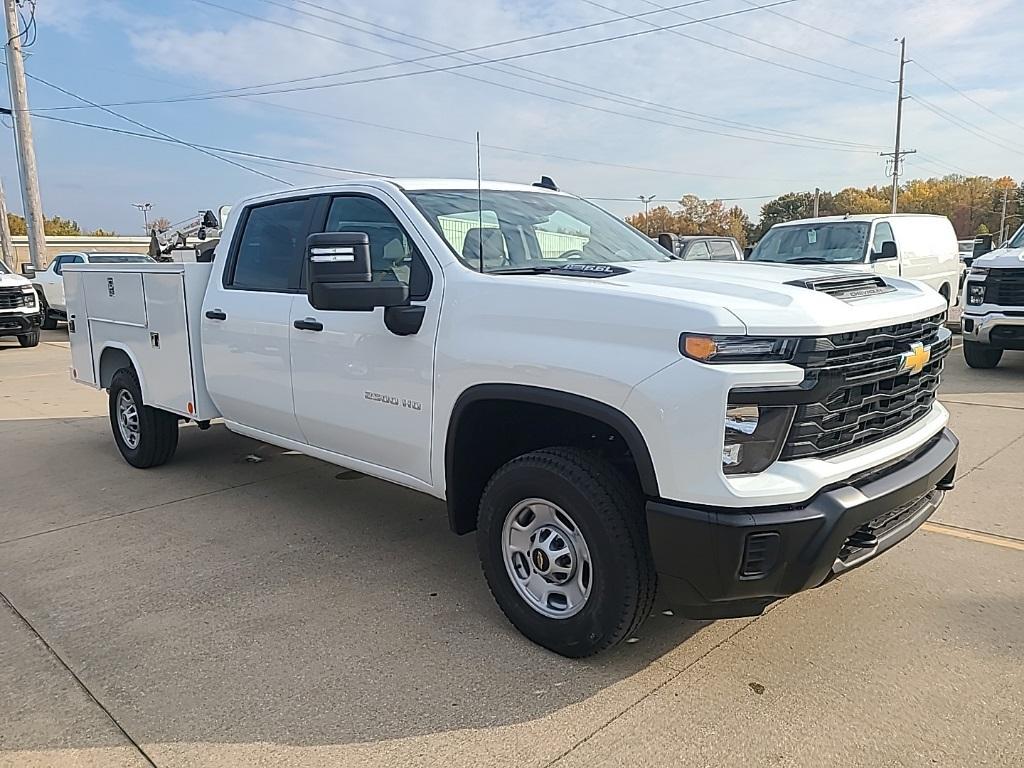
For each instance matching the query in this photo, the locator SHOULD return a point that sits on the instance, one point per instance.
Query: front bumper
(16, 325)
(724, 562)
(1000, 328)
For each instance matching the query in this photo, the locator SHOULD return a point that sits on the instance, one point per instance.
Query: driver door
(360, 390)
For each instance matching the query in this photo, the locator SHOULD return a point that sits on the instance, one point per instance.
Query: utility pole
(34, 220)
(647, 201)
(5, 233)
(898, 154)
(817, 199)
(1002, 221)
(145, 208)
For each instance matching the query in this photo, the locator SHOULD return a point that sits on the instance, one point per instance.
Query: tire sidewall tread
(158, 429)
(608, 508)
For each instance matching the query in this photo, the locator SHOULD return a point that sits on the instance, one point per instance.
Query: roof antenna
(479, 204)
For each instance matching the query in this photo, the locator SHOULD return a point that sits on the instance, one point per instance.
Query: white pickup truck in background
(19, 308)
(609, 420)
(49, 282)
(993, 304)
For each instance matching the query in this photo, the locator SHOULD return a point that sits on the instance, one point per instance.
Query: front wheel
(30, 339)
(49, 320)
(563, 544)
(145, 436)
(980, 355)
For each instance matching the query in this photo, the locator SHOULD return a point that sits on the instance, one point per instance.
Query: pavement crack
(116, 515)
(983, 405)
(49, 648)
(986, 461)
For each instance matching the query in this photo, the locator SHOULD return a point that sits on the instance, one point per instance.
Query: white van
(918, 246)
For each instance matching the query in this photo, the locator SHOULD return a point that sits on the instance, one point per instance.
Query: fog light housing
(754, 436)
(975, 294)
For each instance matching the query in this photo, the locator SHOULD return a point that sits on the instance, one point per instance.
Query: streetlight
(145, 208)
(646, 201)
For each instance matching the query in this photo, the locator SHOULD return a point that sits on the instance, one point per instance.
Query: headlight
(754, 436)
(975, 294)
(735, 349)
(979, 273)
(30, 296)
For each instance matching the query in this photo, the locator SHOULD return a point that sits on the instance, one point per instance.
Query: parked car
(993, 319)
(701, 247)
(917, 246)
(609, 420)
(49, 283)
(19, 308)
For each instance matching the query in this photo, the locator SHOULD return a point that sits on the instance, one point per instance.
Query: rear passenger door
(245, 323)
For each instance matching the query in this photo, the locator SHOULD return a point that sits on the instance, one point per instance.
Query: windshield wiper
(808, 260)
(519, 271)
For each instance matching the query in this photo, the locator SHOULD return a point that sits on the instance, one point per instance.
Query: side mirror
(27, 270)
(887, 253)
(747, 251)
(340, 276)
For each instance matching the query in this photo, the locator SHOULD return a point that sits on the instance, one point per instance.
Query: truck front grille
(1005, 287)
(13, 298)
(866, 395)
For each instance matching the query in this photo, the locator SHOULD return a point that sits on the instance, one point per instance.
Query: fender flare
(585, 406)
(131, 358)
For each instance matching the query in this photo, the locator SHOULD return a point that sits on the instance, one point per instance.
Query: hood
(10, 281)
(1001, 257)
(770, 298)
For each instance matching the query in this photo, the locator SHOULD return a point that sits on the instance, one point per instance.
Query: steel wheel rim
(128, 419)
(547, 558)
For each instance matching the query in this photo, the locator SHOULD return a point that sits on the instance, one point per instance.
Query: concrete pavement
(228, 611)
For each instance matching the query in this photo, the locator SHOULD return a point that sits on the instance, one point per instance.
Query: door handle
(216, 314)
(309, 324)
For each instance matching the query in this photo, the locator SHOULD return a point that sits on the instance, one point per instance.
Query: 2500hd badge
(392, 400)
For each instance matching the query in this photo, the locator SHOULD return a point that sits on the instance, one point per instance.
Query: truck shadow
(243, 594)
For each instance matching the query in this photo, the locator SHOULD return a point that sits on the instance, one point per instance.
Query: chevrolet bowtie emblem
(916, 359)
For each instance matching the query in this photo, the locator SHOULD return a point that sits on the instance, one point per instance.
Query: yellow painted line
(982, 538)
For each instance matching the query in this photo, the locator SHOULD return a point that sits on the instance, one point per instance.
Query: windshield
(531, 230)
(833, 242)
(1018, 239)
(4, 270)
(117, 258)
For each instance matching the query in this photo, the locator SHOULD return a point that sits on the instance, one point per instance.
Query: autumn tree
(55, 226)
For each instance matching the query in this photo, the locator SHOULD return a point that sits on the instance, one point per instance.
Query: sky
(715, 97)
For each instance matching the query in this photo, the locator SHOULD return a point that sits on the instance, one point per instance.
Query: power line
(225, 150)
(969, 98)
(166, 136)
(590, 90)
(964, 125)
(750, 55)
(823, 143)
(448, 68)
(828, 32)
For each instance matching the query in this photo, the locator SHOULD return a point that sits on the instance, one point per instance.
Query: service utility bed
(148, 314)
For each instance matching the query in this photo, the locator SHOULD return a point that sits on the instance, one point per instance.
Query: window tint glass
(883, 232)
(271, 247)
(58, 265)
(118, 258)
(393, 256)
(722, 250)
(698, 252)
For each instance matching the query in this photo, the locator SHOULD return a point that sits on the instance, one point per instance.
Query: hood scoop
(846, 287)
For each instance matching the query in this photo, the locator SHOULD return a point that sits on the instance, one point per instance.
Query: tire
(614, 557)
(980, 355)
(154, 437)
(49, 322)
(30, 339)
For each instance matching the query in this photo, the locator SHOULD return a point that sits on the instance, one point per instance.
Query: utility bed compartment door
(165, 346)
(115, 297)
(82, 365)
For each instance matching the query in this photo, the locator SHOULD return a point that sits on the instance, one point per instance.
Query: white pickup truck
(993, 318)
(607, 418)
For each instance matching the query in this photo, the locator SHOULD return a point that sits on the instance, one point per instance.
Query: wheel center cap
(540, 560)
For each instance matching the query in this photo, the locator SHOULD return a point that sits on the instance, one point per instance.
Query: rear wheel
(564, 549)
(980, 355)
(145, 436)
(30, 339)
